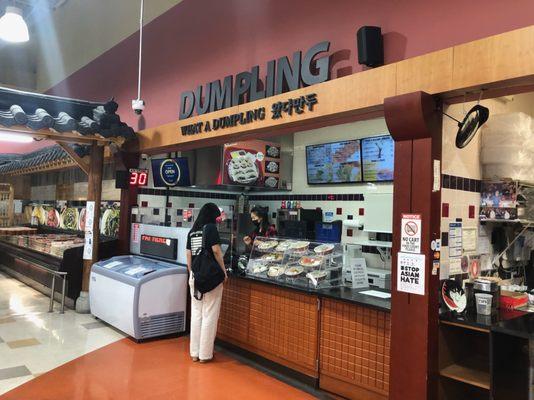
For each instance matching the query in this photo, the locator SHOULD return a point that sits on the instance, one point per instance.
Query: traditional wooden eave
(64, 121)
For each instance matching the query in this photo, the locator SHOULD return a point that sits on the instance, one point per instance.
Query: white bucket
(483, 303)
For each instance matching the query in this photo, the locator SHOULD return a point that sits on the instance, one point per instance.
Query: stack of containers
(507, 149)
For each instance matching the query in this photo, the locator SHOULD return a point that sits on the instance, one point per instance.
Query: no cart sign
(411, 233)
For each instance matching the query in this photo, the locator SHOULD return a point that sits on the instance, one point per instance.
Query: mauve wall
(202, 40)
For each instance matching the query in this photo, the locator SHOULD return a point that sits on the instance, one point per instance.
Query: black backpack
(206, 270)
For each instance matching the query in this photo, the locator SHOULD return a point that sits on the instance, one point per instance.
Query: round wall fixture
(467, 129)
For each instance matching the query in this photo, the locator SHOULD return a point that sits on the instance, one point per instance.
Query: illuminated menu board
(338, 162)
(378, 156)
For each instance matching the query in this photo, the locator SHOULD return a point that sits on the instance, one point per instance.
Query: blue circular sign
(170, 173)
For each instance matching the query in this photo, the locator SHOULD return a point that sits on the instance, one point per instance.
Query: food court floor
(68, 357)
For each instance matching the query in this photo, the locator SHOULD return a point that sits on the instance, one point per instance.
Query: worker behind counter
(264, 228)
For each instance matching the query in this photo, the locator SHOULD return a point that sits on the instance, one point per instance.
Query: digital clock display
(138, 177)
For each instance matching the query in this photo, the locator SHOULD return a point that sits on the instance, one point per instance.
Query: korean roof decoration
(48, 156)
(40, 112)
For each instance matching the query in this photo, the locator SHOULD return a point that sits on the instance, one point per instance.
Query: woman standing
(260, 218)
(204, 312)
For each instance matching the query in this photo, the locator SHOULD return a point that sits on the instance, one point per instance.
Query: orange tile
(154, 370)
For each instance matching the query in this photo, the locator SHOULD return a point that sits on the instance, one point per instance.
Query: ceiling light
(15, 138)
(13, 28)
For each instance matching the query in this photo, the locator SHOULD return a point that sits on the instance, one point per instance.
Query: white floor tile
(62, 337)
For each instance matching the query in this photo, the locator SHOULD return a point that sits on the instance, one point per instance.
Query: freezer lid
(134, 266)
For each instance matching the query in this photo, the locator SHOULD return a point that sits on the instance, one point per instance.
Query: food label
(455, 239)
(411, 233)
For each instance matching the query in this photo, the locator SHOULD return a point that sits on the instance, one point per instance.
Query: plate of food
(243, 168)
(38, 215)
(453, 296)
(300, 246)
(311, 261)
(272, 167)
(275, 272)
(273, 152)
(284, 246)
(272, 257)
(271, 182)
(81, 220)
(294, 271)
(110, 222)
(52, 218)
(267, 245)
(259, 269)
(69, 218)
(318, 275)
(325, 248)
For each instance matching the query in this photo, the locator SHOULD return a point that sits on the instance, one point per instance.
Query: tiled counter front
(343, 344)
(278, 324)
(354, 350)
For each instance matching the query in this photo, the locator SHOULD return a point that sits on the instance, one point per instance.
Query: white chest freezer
(142, 297)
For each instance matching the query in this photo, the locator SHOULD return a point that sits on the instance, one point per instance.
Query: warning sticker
(411, 233)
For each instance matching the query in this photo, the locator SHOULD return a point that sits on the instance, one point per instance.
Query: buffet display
(72, 218)
(6, 204)
(51, 244)
(312, 265)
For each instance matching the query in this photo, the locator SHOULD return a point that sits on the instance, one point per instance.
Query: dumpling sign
(279, 76)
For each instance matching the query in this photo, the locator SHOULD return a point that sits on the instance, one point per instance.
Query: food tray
(292, 261)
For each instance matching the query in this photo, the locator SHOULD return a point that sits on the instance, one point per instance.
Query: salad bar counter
(28, 253)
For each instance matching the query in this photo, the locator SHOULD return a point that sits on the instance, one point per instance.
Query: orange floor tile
(155, 370)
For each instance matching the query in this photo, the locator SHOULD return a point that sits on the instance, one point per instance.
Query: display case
(289, 262)
(51, 244)
(6, 205)
(22, 248)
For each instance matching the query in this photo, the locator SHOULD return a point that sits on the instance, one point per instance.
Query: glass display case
(51, 244)
(291, 262)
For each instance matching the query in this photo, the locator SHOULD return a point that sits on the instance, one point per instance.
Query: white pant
(204, 317)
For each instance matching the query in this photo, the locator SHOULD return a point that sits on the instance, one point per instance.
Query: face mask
(256, 222)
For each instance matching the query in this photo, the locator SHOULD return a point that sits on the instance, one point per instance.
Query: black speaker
(370, 46)
(122, 179)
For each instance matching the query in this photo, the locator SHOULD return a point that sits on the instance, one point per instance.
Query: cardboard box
(513, 300)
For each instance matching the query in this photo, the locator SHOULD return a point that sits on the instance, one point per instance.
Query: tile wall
(345, 201)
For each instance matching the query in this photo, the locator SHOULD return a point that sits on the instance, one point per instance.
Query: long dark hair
(263, 214)
(208, 215)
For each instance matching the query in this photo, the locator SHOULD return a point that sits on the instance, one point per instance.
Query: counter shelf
(310, 265)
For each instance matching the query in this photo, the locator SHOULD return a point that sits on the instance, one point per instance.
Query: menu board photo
(338, 162)
(378, 156)
(252, 163)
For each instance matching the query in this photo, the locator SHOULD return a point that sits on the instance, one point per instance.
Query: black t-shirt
(194, 239)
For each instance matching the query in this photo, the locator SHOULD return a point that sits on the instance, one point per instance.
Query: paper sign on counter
(411, 273)
(376, 293)
(359, 273)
